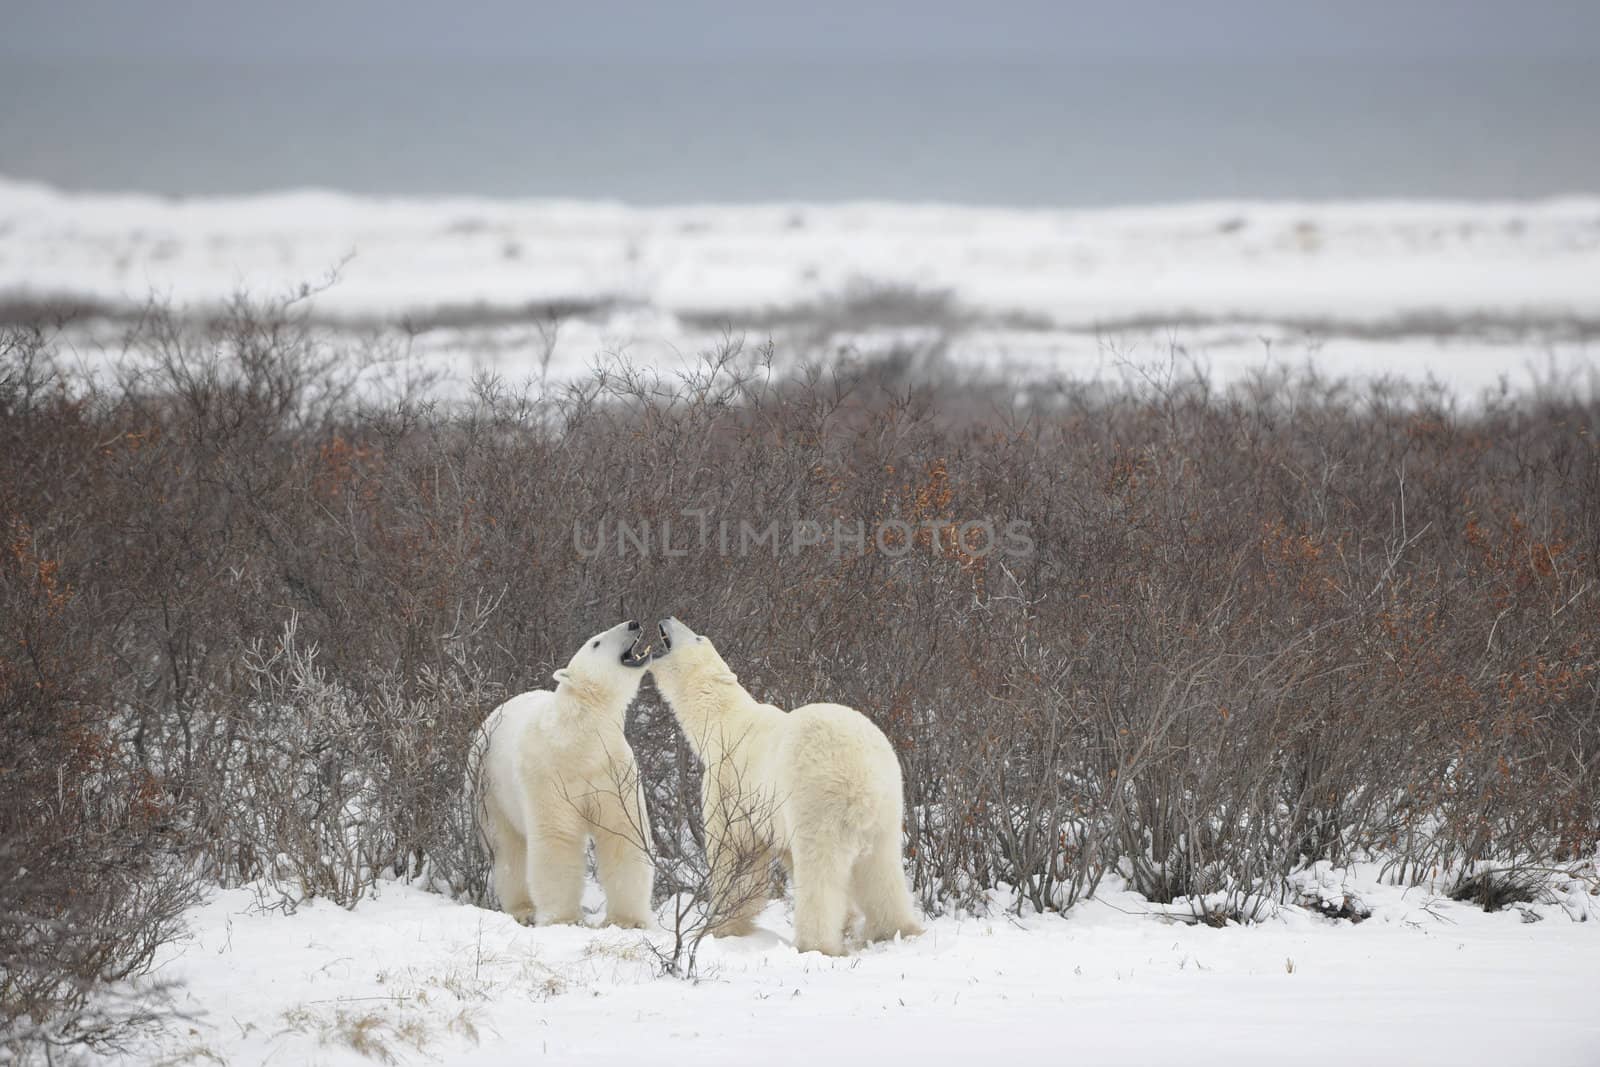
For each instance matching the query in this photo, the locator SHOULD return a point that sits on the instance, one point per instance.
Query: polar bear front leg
(626, 875)
(738, 887)
(622, 861)
(555, 874)
(737, 860)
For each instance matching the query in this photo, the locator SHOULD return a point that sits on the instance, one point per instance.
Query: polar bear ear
(561, 675)
(727, 678)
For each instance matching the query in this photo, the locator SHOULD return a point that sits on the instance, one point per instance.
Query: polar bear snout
(674, 633)
(624, 641)
(636, 653)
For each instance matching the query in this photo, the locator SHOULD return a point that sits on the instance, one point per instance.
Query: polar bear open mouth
(637, 654)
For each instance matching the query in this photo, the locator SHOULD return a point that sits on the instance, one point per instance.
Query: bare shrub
(92, 878)
(714, 867)
(1300, 620)
(338, 786)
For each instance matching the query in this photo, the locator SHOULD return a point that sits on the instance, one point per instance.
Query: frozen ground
(1465, 293)
(420, 978)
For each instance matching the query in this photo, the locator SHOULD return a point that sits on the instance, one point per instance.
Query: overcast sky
(717, 29)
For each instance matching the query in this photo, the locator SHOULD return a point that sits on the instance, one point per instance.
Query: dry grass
(379, 1033)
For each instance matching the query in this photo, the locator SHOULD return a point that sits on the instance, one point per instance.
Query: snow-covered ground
(1466, 293)
(421, 978)
(1357, 262)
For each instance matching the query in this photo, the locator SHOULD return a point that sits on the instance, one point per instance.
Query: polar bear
(818, 787)
(551, 771)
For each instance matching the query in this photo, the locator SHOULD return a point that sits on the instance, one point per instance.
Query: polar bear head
(609, 666)
(686, 658)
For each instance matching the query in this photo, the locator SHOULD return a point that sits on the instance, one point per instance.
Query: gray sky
(701, 29)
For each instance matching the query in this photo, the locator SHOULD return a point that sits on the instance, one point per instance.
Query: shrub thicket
(253, 608)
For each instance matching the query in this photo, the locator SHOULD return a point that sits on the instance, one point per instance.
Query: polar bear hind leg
(878, 889)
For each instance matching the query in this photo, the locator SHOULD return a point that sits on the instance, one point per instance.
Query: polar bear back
(836, 770)
(504, 737)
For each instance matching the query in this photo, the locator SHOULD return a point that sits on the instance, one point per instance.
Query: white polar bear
(818, 787)
(557, 772)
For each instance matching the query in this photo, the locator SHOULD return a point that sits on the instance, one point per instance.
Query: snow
(1360, 261)
(1424, 980)
(1463, 293)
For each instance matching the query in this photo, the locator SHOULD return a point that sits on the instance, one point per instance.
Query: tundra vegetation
(258, 588)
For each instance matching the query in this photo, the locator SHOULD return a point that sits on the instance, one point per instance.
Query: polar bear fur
(552, 771)
(818, 787)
